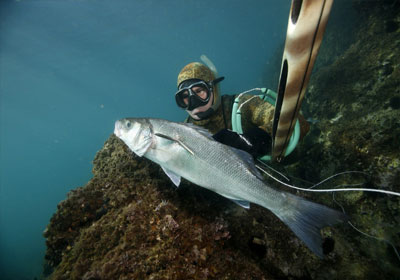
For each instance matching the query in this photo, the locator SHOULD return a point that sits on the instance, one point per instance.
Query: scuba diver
(253, 120)
(199, 94)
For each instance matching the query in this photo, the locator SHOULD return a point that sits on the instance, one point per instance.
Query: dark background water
(69, 69)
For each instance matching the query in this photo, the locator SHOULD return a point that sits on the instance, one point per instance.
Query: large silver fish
(188, 151)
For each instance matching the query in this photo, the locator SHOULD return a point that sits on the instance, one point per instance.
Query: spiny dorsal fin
(200, 130)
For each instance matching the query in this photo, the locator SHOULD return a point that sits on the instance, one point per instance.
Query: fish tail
(306, 219)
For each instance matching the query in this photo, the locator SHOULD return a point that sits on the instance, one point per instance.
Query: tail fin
(306, 219)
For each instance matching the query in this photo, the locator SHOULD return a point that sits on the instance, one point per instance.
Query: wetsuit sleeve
(257, 112)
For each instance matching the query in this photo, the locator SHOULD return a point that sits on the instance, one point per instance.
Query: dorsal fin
(201, 130)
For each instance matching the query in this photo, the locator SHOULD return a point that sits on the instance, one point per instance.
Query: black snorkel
(216, 81)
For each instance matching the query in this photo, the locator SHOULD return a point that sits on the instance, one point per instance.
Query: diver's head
(197, 91)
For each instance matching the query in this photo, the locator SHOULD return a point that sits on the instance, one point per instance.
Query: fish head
(137, 134)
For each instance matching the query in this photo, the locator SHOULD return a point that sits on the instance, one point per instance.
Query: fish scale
(223, 163)
(184, 150)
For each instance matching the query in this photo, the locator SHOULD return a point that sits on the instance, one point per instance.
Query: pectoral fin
(175, 178)
(175, 140)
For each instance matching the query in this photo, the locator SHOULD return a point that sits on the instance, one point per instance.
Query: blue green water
(69, 69)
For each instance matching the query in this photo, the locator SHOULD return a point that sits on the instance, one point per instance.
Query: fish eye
(128, 124)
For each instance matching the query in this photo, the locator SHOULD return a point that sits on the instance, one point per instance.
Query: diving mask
(194, 93)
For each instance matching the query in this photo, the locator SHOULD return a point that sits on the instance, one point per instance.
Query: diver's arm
(259, 113)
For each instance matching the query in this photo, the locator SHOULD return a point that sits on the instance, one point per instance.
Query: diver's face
(201, 92)
(201, 109)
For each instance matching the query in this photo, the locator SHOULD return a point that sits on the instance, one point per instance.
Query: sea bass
(185, 150)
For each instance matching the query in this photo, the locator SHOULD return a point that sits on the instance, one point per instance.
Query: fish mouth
(117, 129)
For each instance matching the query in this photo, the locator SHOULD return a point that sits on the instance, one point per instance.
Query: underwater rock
(130, 222)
